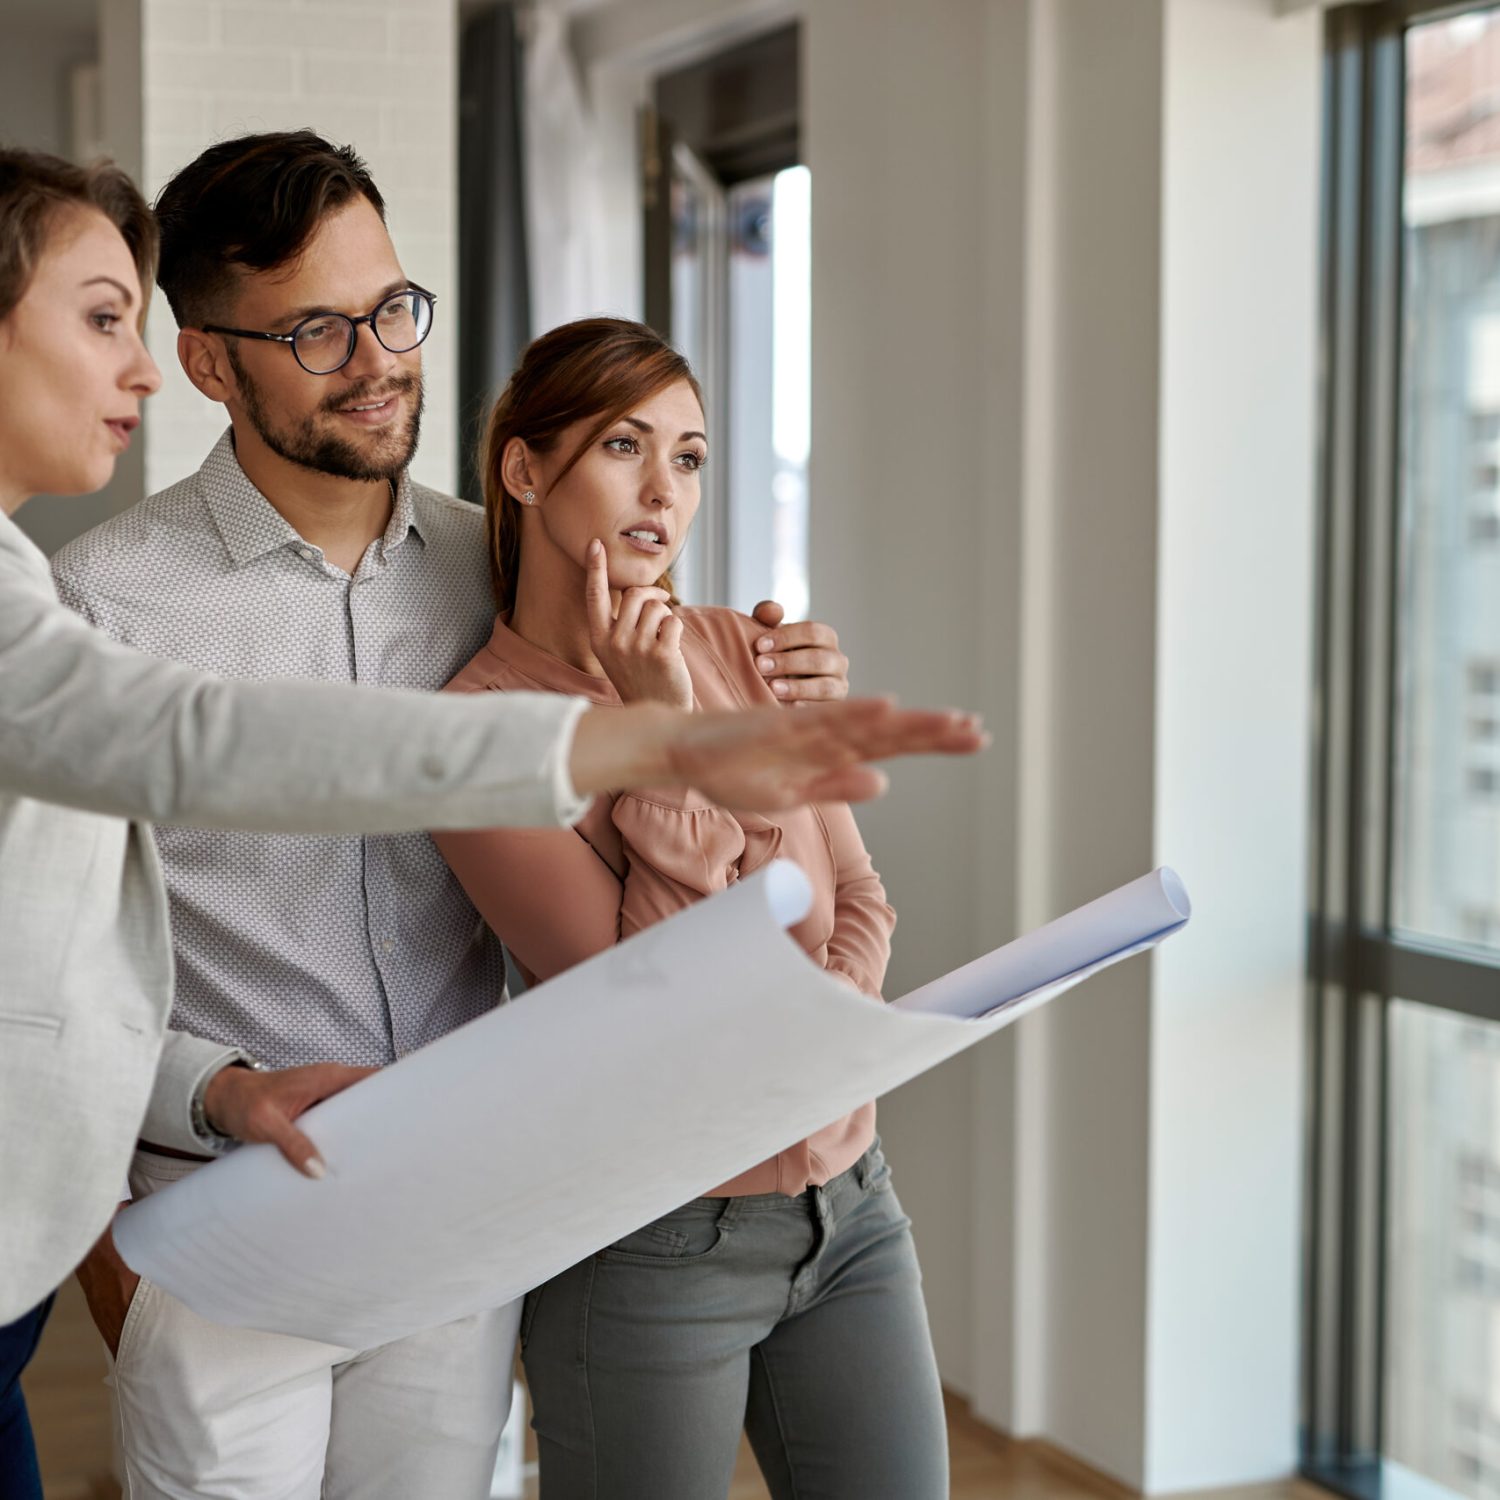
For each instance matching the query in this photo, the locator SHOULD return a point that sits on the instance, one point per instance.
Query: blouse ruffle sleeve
(679, 848)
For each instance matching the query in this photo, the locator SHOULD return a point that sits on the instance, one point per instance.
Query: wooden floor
(984, 1466)
(64, 1387)
(70, 1413)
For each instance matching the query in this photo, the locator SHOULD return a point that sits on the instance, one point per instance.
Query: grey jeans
(799, 1320)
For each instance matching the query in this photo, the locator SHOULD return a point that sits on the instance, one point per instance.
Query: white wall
(1153, 1133)
(1085, 784)
(1239, 320)
(894, 131)
(35, 59)
(380, 76)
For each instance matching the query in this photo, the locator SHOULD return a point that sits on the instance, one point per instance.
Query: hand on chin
(632, 571)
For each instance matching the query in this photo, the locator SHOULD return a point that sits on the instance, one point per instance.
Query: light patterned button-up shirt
(309, 949)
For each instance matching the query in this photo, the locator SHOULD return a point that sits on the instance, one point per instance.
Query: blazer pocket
(30, 1020)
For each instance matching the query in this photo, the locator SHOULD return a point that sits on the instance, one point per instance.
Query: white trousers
(206, 1412)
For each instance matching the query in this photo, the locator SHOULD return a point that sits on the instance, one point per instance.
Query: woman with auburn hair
(788, 1301)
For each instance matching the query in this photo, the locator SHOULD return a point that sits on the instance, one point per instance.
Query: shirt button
(433, 767)
(386, 945)
(305, 553)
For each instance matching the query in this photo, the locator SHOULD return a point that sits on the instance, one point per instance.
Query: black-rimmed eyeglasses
(324, 342)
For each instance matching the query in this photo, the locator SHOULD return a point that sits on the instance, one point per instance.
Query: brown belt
(176, 1155)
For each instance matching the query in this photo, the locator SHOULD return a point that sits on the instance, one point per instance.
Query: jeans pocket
(133, 1316)
(875, 1170)
(528, 1314)
(684, 1237)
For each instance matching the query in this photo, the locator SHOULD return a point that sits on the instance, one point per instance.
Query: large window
(1403, 1320)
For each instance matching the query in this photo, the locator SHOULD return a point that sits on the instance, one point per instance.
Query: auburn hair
(37, 191)
(596, 370)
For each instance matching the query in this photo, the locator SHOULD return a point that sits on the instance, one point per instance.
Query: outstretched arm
(761, 758)
(89, 723)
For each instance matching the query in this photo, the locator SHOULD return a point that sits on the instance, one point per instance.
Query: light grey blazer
(95, 739)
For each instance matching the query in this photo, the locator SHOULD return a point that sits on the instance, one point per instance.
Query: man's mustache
(400, 385)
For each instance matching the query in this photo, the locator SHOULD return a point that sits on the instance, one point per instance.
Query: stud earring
(529, 497)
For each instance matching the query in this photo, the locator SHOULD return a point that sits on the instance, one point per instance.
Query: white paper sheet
(530, 1138)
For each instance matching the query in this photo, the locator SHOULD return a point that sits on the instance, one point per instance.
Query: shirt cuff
(570, 806)
(187, 1063)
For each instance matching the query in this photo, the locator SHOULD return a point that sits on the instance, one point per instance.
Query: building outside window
(1403, 1329)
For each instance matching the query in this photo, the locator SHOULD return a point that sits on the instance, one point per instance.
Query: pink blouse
(556, 896)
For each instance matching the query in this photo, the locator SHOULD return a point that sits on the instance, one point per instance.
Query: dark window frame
(1358, 962)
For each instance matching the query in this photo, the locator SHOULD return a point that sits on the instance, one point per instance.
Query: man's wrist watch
(207, 1136)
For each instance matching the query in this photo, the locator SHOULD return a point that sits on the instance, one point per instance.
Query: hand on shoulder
(802, 661)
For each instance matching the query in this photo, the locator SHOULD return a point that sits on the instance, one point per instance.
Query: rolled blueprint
(534, 1136)
(1128, 920)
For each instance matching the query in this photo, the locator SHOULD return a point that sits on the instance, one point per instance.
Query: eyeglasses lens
(403, 322)
(326, 343)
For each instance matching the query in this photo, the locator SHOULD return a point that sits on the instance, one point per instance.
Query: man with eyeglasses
(302, 548)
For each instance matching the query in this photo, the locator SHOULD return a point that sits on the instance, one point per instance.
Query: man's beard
(305, 445)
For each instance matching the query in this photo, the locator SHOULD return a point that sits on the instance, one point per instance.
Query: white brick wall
(381, 76)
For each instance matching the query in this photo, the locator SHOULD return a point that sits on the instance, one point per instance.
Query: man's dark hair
(253, 202)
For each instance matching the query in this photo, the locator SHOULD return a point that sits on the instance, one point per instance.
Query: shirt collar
(251, 526)
(404, 517)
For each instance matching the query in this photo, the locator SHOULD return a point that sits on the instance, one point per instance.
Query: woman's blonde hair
(596, 368)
